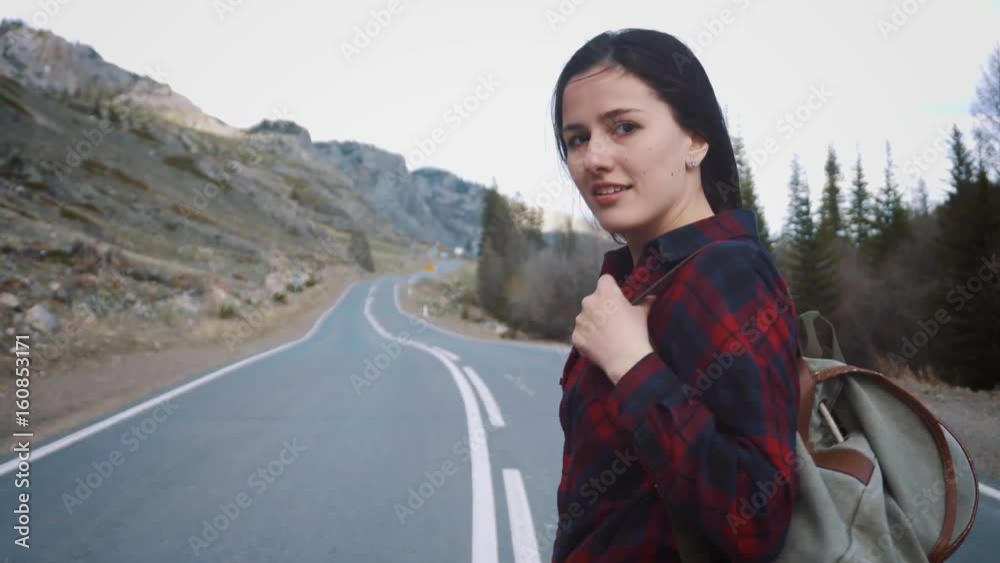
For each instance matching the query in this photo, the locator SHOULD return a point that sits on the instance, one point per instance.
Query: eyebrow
(604, 116)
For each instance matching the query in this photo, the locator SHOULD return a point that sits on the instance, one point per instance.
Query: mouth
(609, 193)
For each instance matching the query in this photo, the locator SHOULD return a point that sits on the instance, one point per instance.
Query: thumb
(647, 303)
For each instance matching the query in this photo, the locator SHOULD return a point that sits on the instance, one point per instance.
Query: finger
(607, 282)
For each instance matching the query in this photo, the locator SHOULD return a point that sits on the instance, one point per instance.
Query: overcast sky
(389, 73)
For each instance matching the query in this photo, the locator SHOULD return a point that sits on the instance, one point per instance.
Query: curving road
(373, 438)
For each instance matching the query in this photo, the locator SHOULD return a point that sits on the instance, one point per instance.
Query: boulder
(9, 301)
(41, 319)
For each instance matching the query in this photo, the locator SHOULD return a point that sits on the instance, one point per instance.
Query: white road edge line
(492, 408)
(484, 527)
(87, 431)
(989, 491)
(451, 355)
(522, 528)
(560, 349)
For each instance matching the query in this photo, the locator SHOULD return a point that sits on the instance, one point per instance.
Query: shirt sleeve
(713, 411)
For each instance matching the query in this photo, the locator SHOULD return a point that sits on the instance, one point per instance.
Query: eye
(625, 123)
(572, 141)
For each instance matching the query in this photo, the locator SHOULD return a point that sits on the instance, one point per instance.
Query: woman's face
(618, 131)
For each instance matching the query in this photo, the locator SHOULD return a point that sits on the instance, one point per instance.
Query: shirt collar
(664, 252)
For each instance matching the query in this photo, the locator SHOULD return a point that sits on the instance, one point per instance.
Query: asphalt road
(373, 438)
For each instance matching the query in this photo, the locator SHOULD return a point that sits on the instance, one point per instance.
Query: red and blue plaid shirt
(706, 422)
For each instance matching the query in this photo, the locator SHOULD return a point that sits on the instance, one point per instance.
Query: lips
(608, 189)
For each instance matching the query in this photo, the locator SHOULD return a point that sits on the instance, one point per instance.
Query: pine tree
(527, 233)
(962, 170)
(831, 225)
(799, 226)
(969, 233)
(512, 232)
(495, 267)
(748, 192)
(829, 233)
(810, 271)
(891, 223)
(859, 212)
(921, 199)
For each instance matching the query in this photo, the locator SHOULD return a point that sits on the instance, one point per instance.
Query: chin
(616, 222)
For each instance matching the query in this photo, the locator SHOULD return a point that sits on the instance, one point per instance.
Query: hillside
(120, 196)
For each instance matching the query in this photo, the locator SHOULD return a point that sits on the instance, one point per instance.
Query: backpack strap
(813, 348)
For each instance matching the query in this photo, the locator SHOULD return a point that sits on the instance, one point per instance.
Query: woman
(679, 412)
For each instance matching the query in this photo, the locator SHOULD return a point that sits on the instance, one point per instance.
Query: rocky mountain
(105, 174)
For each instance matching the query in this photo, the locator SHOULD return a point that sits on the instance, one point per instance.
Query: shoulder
(731, 290)
(734, 275)
(736, 261)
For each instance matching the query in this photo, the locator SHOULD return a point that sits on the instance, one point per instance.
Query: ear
(698, 148)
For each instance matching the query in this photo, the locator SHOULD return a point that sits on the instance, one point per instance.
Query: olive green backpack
(881, 478)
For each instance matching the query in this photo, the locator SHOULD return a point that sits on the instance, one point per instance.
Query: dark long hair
(670, 68)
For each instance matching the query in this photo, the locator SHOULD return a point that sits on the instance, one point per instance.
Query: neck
(685, 213)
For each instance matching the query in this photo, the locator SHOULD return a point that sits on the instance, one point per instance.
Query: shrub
(360, 250)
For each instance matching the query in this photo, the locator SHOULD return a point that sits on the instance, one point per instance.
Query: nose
(597, 156)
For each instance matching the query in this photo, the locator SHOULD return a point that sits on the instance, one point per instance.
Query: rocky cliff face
(430, 204)
(112, 184)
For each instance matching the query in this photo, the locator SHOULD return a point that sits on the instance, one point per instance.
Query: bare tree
(986, 112)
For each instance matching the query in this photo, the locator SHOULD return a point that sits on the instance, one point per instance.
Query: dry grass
(443, 309)
(443, 297)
